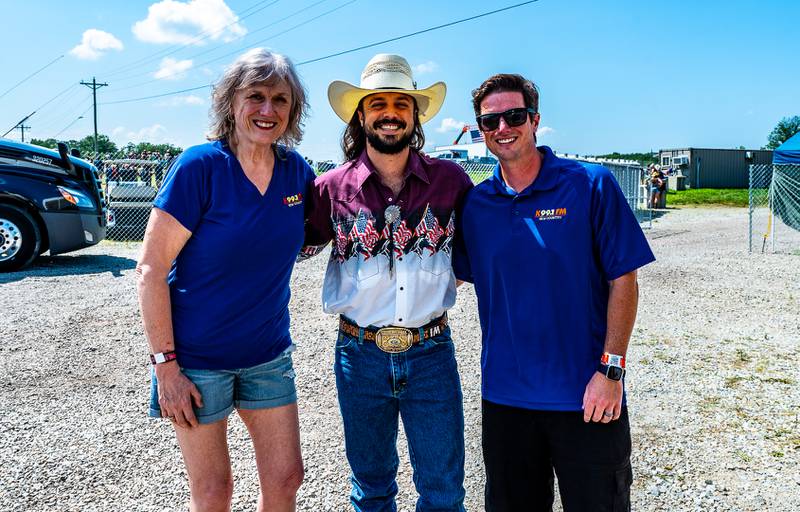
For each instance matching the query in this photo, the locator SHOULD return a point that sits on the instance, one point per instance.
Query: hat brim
(344, 99)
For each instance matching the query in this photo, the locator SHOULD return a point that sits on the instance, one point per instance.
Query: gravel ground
(713, 384)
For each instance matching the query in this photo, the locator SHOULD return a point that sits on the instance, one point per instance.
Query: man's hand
(602, 400)
(176, 393)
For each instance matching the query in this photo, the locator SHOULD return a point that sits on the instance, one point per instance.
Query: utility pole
(21, 126)
(93, 85)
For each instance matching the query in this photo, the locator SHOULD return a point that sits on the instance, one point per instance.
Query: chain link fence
(631, 178)
(131, 182)
(774, 209)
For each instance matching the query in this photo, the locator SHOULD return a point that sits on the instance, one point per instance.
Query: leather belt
(392, 339)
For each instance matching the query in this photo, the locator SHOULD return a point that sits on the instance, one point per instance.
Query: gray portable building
(714, 168)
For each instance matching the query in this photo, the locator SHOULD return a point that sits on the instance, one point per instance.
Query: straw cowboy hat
(385, 73)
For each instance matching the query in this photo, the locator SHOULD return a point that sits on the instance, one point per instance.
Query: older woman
(213, 284)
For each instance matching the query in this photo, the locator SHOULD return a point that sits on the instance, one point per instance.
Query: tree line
(106, 146)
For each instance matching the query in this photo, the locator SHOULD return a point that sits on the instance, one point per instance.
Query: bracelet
(612, 360)
(163, 357)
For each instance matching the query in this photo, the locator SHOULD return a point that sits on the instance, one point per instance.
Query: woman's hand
(177, 394)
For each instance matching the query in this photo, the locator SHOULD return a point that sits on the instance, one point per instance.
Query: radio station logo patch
(294, 200)
(551, 214)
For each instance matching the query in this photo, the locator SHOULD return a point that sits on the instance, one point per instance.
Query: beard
(395, 144)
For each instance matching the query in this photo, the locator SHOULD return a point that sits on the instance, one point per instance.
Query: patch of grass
(761, 367)
(732, 382)
(744, 456)
(778, 380)
(709, 196)
(709, 402)
(776, 454)
(742, 356)
(778, 433)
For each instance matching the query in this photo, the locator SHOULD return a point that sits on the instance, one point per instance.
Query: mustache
(398, 122)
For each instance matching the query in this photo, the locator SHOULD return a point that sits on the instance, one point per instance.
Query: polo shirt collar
(545, 180)
(364, 168)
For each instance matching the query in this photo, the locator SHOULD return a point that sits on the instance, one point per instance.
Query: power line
(249, 45)
(344, 52)
(73, 122)
(62, 117)
(32, 75)
(197, 39)
(20, 125)
(431, 29)
(46, 116)
(156, 95)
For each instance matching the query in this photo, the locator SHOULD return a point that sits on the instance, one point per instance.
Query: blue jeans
(420, 385)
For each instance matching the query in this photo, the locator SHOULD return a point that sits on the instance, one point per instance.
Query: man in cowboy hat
(390, 212)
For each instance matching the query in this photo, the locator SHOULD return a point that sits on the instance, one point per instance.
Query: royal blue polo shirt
(229, 285)
(541, 261)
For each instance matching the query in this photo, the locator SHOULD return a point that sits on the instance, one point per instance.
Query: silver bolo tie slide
(392, 217)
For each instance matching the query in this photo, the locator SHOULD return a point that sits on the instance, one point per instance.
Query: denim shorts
(263, 386)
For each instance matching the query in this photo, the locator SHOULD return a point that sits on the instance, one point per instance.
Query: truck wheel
(20, 238)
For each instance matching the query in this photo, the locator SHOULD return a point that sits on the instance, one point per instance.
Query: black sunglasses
(513, 117)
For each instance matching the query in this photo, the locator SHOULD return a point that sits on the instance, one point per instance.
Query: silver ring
(608, 414)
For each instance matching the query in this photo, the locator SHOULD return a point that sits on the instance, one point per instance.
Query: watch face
(614, 372)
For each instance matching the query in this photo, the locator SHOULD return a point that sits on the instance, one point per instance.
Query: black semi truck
(49, 201)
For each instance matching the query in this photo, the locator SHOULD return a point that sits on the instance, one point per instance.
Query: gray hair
(257, 66)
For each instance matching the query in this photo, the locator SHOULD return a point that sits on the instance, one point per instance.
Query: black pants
(521, 448)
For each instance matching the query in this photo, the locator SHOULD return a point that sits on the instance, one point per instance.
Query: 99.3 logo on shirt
(294, 200)
(550, 214)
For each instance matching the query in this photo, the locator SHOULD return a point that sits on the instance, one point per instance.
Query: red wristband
(612, 360)
(163, 357)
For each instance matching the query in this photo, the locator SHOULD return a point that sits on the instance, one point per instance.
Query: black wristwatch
(611, 372)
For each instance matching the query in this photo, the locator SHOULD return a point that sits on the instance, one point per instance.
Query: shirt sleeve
(618, 242)
(461, 266)
(318, 228)
(184, 190)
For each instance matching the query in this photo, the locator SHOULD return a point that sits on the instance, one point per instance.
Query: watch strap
(611, 372)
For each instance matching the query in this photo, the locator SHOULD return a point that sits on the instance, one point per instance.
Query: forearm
(154, 303)
(623, 301)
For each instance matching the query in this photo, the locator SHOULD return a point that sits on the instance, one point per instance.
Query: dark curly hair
(354, 139)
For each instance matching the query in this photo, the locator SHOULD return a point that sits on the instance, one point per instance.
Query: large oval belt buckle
(394, 339)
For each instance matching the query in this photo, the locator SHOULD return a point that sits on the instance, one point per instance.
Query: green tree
(149, 147)
(785, 128)
(104, 145)
(45, 143)
(642, 158)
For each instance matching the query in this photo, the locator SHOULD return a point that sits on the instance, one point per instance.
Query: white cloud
(425, 67)
(94, 44)
(449, 124)
(156, 134)
(171, 69)
(180, 101)
(170, 21)
(544, 130)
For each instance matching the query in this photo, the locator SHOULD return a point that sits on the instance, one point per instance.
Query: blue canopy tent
(784, 202)
(788, 152)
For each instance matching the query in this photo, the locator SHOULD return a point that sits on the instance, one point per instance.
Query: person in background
(213, 282)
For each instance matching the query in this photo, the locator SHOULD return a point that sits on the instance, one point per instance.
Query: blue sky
(614, 76)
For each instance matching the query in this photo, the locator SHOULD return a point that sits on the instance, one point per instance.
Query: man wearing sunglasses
(552, 248)
(390, 213)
